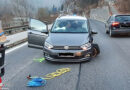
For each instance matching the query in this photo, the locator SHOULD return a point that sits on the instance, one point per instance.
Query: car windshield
(70, 26)
(123, 18)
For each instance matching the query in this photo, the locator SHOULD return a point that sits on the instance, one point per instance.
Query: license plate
(66, 54)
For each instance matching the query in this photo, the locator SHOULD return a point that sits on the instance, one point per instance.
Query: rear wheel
(107, 32)
(111, 33)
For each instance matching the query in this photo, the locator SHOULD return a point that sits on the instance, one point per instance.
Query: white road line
(14, 48)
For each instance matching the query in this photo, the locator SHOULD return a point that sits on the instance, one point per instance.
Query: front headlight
(49, 46)
(86, 46)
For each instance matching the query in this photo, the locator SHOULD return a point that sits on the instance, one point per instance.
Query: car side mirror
(46, 22)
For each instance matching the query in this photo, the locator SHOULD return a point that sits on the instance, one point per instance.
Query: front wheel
(44, 55)
(95, 50)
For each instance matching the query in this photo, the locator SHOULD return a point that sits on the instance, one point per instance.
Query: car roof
(120, 15)
(72, 17)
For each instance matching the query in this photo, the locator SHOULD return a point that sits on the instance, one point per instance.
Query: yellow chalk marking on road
(52, 75)
(58, 72)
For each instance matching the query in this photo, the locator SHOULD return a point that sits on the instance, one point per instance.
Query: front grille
(69, 48)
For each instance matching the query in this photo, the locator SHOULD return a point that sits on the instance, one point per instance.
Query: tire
(95, 50)
(44, 56)
(107, 32)
(111, 34)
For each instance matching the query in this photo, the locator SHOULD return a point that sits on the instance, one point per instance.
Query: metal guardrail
(15, 29)
(16, 43)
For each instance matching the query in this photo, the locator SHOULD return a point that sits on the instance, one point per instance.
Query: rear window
(123, 18)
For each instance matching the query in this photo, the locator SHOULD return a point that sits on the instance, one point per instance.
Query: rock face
(123, 6)
(114, 7)
(101, 14)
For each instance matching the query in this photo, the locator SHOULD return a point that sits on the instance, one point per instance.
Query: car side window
(37, 25)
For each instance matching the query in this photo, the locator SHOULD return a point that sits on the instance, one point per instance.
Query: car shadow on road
(93, 59)
(52, 62)
(121, 36)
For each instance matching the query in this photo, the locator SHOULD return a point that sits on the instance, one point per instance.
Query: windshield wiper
(69, 32)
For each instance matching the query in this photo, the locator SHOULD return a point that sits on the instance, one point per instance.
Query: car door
(107, 23)
(37, 33)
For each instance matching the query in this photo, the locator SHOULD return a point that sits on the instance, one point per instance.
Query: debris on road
(40, 81)
(52, 75)
(36, 82)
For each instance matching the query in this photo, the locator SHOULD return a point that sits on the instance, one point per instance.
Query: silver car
(69, 40)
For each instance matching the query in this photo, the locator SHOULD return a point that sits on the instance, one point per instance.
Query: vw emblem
(66, 47)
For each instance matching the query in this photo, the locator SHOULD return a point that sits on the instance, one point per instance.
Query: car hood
(69, 39)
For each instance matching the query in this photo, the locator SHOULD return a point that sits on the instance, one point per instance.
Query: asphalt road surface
(108, 71)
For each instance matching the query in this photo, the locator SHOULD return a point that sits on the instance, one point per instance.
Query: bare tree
(123, 6)
(22, 9)
(42, 14)
(5, 15)
(85, 5)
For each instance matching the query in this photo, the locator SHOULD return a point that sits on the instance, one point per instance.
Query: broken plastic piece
(29, 76)
(36, 82)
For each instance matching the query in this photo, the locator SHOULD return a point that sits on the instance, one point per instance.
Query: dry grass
(123, 6)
